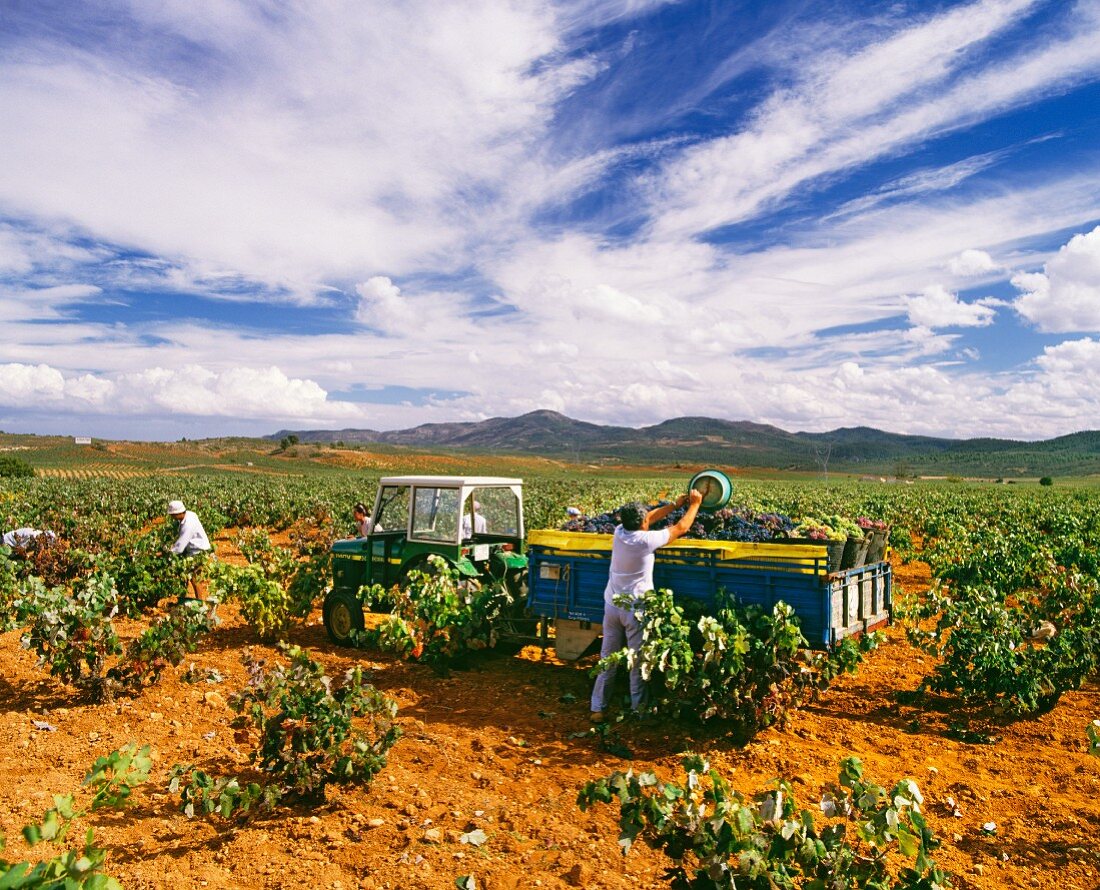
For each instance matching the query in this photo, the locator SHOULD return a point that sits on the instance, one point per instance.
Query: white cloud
(397, 144)
(971, 262)
(330, 141)
(936, 307)
(25, 384)
(926, 341)
(42, 302)
(381, 305)
(849, 109)
(1065, 296)
(188, 390)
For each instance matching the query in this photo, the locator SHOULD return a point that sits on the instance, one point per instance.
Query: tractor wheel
(515, 582)
(343, 613)
(515, 623)
(417, 565)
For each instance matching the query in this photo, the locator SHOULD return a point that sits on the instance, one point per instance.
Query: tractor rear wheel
(343, 614)
(515, 582)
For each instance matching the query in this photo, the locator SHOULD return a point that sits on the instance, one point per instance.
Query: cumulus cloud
(26, 384)
(381, 305)
(971, 262)
(937, 307)
(188, 390)
(1065, 296)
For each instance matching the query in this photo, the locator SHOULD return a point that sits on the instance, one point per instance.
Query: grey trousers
(619, 626)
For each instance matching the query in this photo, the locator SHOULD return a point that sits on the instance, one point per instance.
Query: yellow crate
(583, 542)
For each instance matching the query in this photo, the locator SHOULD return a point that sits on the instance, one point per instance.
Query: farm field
(503, 746)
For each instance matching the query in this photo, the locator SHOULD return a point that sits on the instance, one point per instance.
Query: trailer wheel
(343, 614)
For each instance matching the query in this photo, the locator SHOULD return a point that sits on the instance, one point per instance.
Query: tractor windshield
(500, 509)
(435, 514)
(393, 509)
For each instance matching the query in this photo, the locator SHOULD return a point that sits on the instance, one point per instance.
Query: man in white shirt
(22, 537)
(190, 540)
(479, 523)
(632, 556)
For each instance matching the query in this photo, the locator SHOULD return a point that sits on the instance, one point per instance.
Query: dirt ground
(493, 748)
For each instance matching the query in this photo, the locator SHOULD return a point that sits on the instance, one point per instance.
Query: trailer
(567, 574)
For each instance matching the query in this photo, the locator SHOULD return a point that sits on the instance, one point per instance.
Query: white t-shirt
(632, 562)
(21, 537)
(192, 536)
(367, 525)
(480, 525)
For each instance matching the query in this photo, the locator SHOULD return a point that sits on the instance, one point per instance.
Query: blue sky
(232, 218)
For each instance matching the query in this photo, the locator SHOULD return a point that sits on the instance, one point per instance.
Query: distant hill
(739, 443)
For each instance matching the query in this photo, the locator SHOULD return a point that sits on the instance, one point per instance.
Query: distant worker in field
(364, 524)
(191, 541)
(478, 525)
(576, 520)
(21, 538)
(632, 556)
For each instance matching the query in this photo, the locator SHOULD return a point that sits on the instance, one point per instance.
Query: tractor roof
(450, 481)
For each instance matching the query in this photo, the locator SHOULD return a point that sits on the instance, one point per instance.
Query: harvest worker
(479, 524)
(364, 524)
(190, 541)
(21, 538)
(632, 556)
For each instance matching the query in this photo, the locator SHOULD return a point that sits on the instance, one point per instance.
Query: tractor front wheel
(343, 614)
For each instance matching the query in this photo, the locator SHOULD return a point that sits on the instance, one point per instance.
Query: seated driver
(479, 525)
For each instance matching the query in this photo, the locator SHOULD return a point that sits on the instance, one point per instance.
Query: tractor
(475, 523)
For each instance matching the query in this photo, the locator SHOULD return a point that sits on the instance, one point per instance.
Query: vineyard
(157, 744)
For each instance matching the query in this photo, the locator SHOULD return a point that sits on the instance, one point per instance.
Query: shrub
(9, 591)
(306, 734)
(112, 780)
(718, 839)
(275, 587)
(439, 616)
(1019, 653)
(263, 601)
(74, 634)
(162, 645)
(741, 663)
(15, 468)
(145, 572)
(1046, 480)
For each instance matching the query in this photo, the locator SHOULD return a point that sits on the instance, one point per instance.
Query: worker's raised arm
(694, 499)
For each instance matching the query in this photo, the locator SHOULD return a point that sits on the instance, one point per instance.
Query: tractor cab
(473, 522)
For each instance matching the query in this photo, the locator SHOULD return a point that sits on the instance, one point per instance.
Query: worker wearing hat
(191, 540)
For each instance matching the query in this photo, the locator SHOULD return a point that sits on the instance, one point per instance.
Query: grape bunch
(727, 524)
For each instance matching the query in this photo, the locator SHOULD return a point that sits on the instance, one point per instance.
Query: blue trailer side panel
(829, 606)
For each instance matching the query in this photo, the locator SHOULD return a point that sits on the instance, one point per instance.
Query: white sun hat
(175, 508)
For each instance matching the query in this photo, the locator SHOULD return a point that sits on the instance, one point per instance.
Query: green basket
(715, 487)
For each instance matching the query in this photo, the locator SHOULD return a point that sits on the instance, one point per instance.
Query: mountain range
(737, 443)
